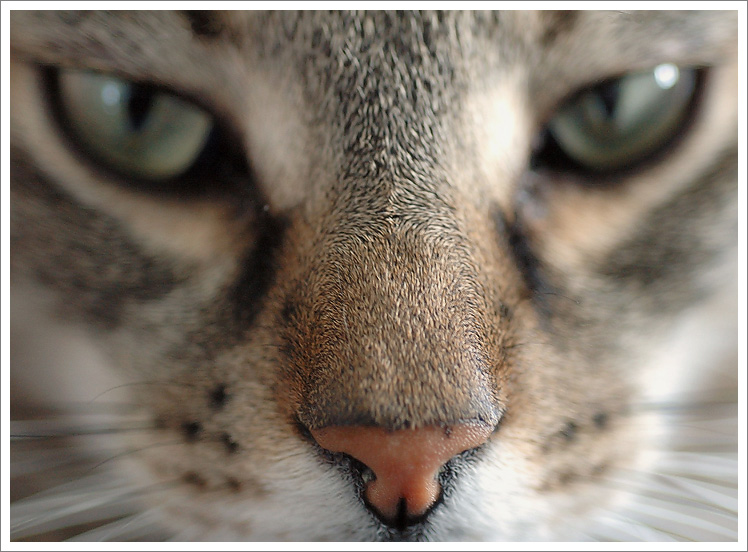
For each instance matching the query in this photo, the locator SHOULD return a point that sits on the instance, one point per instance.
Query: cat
(374, 276)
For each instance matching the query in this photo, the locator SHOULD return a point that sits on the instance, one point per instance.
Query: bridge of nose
(394, 334)
(405, 463)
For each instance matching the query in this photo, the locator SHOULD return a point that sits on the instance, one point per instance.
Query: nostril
(367, 476)
(402, 518)
(405, 463)
(303, 430)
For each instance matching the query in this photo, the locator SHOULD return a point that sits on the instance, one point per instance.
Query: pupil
(608, 94)
(139, 105)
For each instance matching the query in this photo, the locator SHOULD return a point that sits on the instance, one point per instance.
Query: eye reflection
(666, 75)
(110, 94)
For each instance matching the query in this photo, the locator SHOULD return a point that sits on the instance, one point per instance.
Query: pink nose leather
(405, 462)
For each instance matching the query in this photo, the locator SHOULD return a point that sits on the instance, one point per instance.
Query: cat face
(315, 248)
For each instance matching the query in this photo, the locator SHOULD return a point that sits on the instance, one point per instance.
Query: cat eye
(620, 122)
(138, 130)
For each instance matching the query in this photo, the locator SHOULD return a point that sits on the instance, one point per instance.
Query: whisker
(82, 484)
(634, 530)
(706, 446)
(64, 409)
(106, 498)
(136, 450)
(690, 405)
(620, 528)
(557, 294)
(147, 382)
(694, 465)
(719, 499)
(680, 522)
(67, 420)
(41, 461)
(79, 433)
(132, 527)
(680, 513)
(520, 344)
(67, 427)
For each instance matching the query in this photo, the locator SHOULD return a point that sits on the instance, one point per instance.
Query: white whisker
(133, 527)
(72, 426)
(686, 522)
(100, 497)
(716, 466)
(616, 527)
(96, 498)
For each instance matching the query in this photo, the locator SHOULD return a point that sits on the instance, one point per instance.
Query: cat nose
(405, 463)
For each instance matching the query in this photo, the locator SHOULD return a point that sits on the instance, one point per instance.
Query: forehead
(556, 49)
(510, 29)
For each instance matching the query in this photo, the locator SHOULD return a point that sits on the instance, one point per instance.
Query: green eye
(622, 121)
(137, 130)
